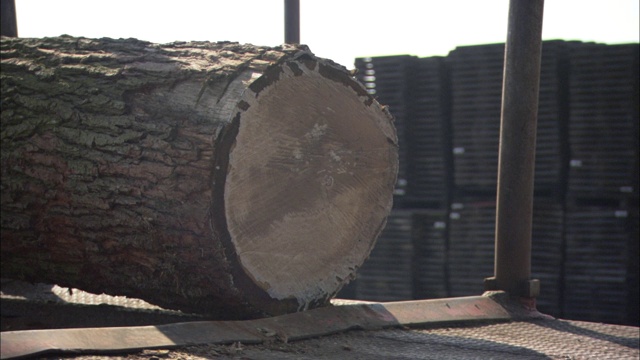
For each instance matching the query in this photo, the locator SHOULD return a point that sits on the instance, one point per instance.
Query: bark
(216, 178)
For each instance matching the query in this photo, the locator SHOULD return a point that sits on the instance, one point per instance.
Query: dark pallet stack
(415, 91)
(633, 278)
(430, 243)
(476, 92)
(585, 218)
(603, 123)
(387, 273)
(476, 95)
(547, 253)
(429, 169)
(409, 260)
(389, 79)
(551, 135)
(598, 259)
(601, 280)
(472, 245)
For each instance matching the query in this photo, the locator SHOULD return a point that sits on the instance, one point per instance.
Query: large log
(216, 178)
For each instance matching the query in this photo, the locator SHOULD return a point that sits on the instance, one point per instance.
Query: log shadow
(25, 306)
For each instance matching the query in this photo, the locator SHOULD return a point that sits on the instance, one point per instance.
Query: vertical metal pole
(292, 21)
(517, 151)
(9, 25)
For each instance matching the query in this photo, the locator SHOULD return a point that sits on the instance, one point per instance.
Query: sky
(340, 30)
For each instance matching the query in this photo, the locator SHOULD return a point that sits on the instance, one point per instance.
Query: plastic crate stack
(601, 275)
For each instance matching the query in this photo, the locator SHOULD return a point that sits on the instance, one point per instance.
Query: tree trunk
(217, 178)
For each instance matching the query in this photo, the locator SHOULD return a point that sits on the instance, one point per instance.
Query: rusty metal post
(517, 151)
(292, 21)
(9, 26)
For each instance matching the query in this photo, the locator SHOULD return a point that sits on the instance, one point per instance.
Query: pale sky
(341, 30)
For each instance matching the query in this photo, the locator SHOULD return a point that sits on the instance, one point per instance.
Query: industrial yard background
(439, 239)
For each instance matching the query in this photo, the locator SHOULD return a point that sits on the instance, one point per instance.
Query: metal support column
(9, 25)
(292, 21)
(517, 151)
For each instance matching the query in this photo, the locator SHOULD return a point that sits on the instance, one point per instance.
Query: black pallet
(430, 242)
(472, 244)
(429, 172)
(387, 274)
(408, 261)
(476, 90)
(633, 268)
(390, 79)
(603, 124)
(599, 256)
(547, 255)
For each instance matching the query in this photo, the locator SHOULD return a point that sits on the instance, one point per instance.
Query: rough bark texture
(161, 172)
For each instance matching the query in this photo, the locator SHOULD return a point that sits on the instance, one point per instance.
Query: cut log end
(308, 180)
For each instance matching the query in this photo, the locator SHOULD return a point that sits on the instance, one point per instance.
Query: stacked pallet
(416, 92)
(476, 92)
(408, 262)
(472, 244)
(476, 89)
(602, 191)
(476, 95)
(547, 253)
(584, 247)
(551, 136)
(429, 137)
(633, 277)
(390, 80)
(597, 264)
(387, 273)
(603, 124)
(430, 243)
